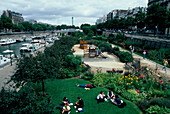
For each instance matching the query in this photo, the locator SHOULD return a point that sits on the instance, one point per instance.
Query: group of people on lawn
(65, 106)
(110, 96)
(101, 97)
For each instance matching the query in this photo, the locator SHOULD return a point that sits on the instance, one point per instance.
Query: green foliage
(160, 102)
(6, 22)
(130, 95)
(157, 110)
(125, 56)
(26, 100)
(104, 46)
(120, 37)
(103, 79)
(88, 75)
(156, 16)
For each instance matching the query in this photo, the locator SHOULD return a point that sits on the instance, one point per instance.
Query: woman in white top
(110, 95)
(100, 97)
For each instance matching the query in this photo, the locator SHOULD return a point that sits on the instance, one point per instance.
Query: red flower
(165, 88)
(137, 90)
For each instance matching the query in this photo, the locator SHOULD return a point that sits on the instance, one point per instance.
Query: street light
(10, 54)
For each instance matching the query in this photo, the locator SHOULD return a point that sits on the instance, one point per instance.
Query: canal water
(15, 47)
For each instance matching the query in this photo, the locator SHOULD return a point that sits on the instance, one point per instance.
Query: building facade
(15, 16)
(163, 3)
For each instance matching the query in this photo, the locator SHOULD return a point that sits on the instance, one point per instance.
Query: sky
(59, 12)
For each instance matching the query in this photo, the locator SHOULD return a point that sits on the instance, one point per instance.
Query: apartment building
(15, 16)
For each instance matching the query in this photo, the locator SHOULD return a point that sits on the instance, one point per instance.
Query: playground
(98, 61)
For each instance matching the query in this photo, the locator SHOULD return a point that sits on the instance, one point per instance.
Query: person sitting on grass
(116, 100)
(66, 109)
(86, 86)
(79, 103)
(110, 95)
(65, 100)
(101, 97)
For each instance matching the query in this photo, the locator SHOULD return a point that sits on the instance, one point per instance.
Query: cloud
(61, 11)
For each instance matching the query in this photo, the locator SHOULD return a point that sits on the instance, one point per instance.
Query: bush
(130, 96)
(157, 110)
(103, 79)
(88, 75)
(105, 47)
(160, 102)
(125, 56)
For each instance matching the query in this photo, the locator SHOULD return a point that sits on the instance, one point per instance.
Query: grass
(67, 88)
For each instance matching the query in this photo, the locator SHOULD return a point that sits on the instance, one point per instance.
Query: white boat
(49, 40)
(3, 61)
(26, 47)
(7, 41)
(9, 54)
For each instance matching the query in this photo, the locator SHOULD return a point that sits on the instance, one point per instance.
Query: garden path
(148, 63)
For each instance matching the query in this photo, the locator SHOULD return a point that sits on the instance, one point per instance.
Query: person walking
(144, 54)
(165, 62)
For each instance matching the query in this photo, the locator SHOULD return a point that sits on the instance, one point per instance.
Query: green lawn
(67, 88)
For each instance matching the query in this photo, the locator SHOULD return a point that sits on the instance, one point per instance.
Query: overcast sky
(59, 12)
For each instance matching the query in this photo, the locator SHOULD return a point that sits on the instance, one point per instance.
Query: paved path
(7, 71)
(148, 63)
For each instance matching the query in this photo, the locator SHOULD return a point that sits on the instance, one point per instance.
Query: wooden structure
(83, 44)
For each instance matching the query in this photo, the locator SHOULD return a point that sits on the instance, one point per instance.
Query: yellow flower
(123, 88)
(136, 81)
(138, 84)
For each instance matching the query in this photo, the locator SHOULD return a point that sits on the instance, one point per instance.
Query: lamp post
(10, 54)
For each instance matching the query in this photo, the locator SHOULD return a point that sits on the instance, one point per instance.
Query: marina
(14, 48)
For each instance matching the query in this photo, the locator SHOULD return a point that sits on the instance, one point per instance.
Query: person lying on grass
(101, 97)
(86, 86)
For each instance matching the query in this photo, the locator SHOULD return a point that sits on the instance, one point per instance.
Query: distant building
(134, 11)
(163, 3)
(32, 21)
(101, 20)
(15, 16)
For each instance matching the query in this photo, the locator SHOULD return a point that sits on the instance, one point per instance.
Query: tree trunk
(43, 88)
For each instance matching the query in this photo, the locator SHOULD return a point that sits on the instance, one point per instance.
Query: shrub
(157, 110)
(130, 96)
(160, 102)
(105, 46)
(125, 56)
(88, 75)
(103, 79)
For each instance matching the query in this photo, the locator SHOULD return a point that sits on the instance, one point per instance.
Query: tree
(86, 29)
(26, 100)
(140, 19)
(27, 26)
(83, 25)
(34, 69)
(129, 22)
(94, 29)
(7, 22)
(1, 25)
(156, 17)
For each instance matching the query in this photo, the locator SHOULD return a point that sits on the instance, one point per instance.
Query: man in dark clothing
(117, 99)
(80, 103)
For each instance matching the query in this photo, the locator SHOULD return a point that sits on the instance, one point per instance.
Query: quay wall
(151, 41)
(16, 35)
